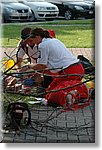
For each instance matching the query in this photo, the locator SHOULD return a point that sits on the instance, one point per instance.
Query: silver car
(41, 9)
(14, 11)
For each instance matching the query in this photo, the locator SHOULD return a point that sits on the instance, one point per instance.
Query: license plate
(52, 12)
(23, 15)
(90, 12)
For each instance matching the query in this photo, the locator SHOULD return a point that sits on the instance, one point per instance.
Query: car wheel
(68, 15)
(32, 17)
(4, 20)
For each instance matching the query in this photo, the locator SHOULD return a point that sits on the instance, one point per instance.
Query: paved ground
(68, 127)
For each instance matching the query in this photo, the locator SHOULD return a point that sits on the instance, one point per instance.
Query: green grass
(75, 33)
(66, 22)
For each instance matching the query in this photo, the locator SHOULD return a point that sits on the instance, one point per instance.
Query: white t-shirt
(54, 54)
(32, 53)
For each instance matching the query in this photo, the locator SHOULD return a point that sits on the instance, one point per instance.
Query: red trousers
(75, 72)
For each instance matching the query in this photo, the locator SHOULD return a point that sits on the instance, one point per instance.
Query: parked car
(41, 9)
(14, 11)
(74, 9)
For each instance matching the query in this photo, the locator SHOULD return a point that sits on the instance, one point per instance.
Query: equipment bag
(18, 113)
(89, 68)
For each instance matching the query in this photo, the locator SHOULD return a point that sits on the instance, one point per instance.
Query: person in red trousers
(57, 58)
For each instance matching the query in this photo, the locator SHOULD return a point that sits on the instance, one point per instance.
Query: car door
(60, 7)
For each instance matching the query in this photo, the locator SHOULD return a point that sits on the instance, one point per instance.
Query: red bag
(59, 98)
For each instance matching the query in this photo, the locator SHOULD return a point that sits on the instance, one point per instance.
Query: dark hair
(40, 32)
(25, 33)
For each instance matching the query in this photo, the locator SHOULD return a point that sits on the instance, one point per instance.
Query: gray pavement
(67, 127)
(49, 127)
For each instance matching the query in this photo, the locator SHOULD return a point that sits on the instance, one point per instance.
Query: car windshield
(90, 1)
(8, 1)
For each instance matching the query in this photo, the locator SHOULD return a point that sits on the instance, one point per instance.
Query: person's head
(52, 33)
(25, 33)
(38, 34)
(25, 36)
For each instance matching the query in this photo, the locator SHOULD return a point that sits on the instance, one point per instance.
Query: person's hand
(24, 68)
(38, 78)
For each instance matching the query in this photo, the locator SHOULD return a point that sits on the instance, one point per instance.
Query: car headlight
(41, 8)
(78, 8)
(56, 9)
(11, 10)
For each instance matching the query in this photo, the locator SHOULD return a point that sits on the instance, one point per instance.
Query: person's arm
(19, 61)
(19, 56)
(37, 66)
(38, 77)
(33, 67)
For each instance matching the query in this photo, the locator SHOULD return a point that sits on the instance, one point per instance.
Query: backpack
(89, 68)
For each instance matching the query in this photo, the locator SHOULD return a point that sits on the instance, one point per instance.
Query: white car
(41, 9)
(14, 11)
